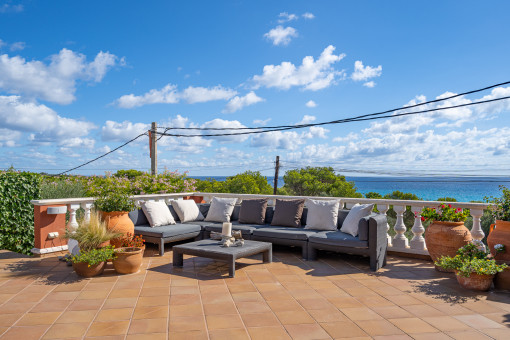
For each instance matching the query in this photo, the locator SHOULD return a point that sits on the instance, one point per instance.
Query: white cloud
(308, 15)
(55, 82)
(350, 137)
(237, 103)
(221, 123)
(17, 46)
(6, 8)
(311, 103)
(18, 115)
(280, 35)
(362, 73)
(9, 137)
(289, 140)
(170, 95)
(310, 75)
(114, 131)
(261, 122)
(286, 17)
(369, 84)
(316, 132)
(306, 120)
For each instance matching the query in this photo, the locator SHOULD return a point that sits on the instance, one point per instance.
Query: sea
(463, 189)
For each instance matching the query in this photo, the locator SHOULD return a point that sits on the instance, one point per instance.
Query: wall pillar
(43, 225)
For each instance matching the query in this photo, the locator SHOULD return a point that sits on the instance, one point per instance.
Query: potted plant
(472, 267)
(501, 234)
(130, 241)
(128, 260)
(91, 234)
(447, 233)
(91, 263)
(115, 207)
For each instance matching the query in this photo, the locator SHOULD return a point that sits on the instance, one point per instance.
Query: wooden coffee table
(212, 249)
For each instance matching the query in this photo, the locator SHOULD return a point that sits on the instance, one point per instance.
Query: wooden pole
(154, 149)
(276, 169)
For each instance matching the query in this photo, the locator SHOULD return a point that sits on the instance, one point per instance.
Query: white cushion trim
(351, 222)
(157, 213)
(322, 215)
(187, 210)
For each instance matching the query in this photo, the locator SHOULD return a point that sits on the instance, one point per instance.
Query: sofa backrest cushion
(138, 217)
(204, 208)
(221, 209)
(288, 213)
(269, 215)
(253, 211)
(187, 210)
(157, 213)
(235, 213)
(342, 214)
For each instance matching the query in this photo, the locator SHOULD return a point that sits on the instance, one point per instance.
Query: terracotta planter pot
(118, 221)
(445, 238)
(475, 281)
(128, 260)
(83, 269)
(197, 199)
(500, 235)
(502, 280)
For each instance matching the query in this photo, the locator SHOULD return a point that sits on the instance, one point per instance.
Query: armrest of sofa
(377, 233)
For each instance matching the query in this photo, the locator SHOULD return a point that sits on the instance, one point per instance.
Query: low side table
(212, 249)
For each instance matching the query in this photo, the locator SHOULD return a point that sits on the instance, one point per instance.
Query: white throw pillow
(187, 210)
(221, 209)
(351, 222)
(322, 215)
(157, 213)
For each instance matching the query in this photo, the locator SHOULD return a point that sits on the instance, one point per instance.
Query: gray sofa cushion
(138, 217)
(253, 211)
(290, 233)
(204, 208)
(168, 230)
(342, 214)
(337, 238)
(245, 228)
(288, 212)
(269, 215)
(235, 213)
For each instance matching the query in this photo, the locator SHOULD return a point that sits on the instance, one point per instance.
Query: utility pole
(153, 148)
(276, 169)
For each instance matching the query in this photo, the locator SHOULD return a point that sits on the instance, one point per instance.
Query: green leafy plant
(114, 201)
(90, 235)
(17, 189)
(500, 208)
(445, 213)
(95, 256)
(248, 182)
(471, 260)
(61, 187)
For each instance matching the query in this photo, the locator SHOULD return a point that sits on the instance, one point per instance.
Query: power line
(333, 121)
(340, 121)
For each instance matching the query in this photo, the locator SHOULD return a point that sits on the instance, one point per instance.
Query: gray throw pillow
(253, 211)
(288, 213)
(221, 209)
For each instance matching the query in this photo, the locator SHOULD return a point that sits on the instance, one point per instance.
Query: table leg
(267, 256)
(232, 267)
(178, 259)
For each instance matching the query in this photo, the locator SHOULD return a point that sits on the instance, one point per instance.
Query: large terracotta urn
(502, 279)
(500, 235)
(118, 221)
(445, 238)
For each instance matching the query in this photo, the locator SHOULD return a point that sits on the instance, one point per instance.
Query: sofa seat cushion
(290, 233)
(202, 224)
(245, 228)
(167, 230)
(337, 238)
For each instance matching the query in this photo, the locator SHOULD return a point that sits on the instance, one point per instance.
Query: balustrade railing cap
(79, 200)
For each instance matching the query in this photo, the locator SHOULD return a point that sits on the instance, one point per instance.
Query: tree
(131, 174)
(248, 182)
(318, 181)
(374, 195)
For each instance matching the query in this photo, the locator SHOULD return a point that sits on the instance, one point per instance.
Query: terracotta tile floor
(335, 297)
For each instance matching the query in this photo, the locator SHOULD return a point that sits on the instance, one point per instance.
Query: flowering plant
(501, 205)
(133, 241)
(499, 248)
(445, 213)
(471, 260)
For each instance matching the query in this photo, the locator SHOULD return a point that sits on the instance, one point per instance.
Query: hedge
(17, 189)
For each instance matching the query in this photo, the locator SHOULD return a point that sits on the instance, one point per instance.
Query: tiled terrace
(335, 297)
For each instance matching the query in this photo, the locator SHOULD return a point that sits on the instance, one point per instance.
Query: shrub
(61, 187)
(318, 181)
(17, 189)
(95, 256)
(114, 201)
(248, 182)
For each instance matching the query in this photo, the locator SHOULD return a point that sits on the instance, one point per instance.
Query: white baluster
(383, 209)
(400, 240)
(72, 215)
(86, 207)
(476, 231)
(418, 242)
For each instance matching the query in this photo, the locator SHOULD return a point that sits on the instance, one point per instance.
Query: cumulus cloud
(170, 95)
(280, 35)
(56, 81)
(222, 123)
(19, 115)
(9, 137)
(307, 119)
(310, 75)
(362, 73)
(369, 84)
(311, 103)
(289, 140)
(9, 8)
(237, 103)
(17, 46)
(285, 17)
(308, 16)
(261, 122)
(122, 131)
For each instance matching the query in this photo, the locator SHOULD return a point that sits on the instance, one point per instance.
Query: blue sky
(79, 78)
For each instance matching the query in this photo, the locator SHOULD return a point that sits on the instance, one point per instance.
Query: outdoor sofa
(371, 240)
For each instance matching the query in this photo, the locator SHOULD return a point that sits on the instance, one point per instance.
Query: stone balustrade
(398, 243)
